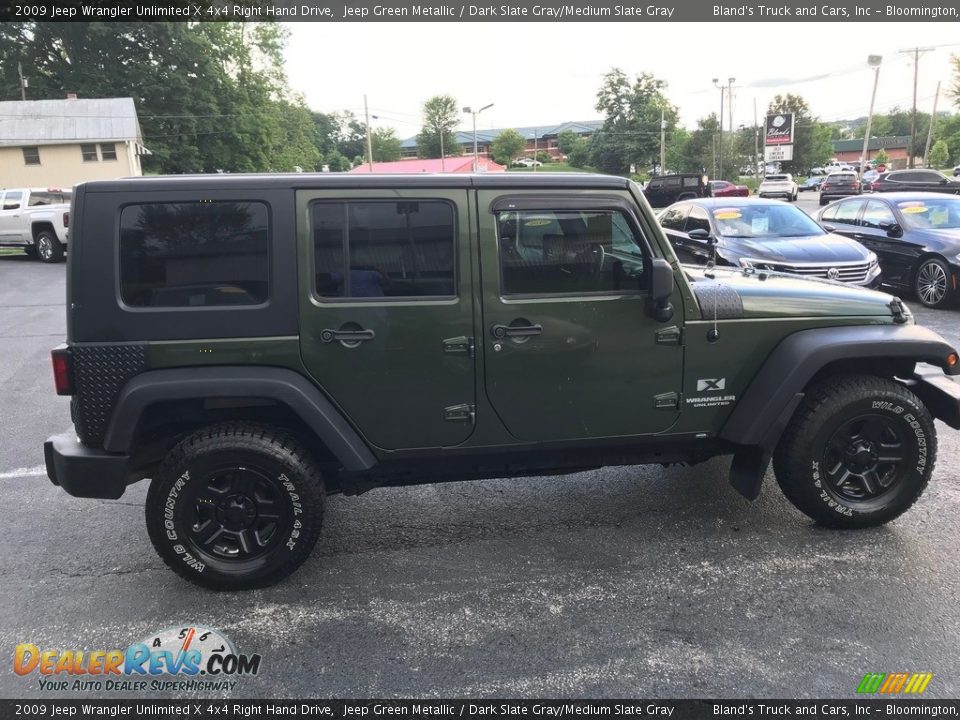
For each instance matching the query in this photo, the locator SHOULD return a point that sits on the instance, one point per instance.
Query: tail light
(66, 219)
(62, 369)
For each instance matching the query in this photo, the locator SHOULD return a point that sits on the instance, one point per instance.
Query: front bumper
(939, 393)
(84, 471)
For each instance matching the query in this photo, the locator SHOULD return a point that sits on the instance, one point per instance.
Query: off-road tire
(808, 450)
(49, 249)
(274, 474)
(933, 283)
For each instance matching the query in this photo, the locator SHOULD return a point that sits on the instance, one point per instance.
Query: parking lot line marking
(24, 472)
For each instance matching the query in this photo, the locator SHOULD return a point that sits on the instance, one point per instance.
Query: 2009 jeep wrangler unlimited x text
(252, 343)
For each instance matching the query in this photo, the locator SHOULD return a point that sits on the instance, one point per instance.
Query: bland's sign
(779, 129)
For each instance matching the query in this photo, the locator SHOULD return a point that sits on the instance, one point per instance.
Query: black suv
(254, 343)
(915, 181)
(664, 190)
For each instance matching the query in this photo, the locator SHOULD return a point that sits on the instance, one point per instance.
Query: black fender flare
(765, 409)
(280, 384)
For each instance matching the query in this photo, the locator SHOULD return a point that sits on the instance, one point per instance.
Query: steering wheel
(592, 258)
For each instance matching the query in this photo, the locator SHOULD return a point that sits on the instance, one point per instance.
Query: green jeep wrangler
(253, 343)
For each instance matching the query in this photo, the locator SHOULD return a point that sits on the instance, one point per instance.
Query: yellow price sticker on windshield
(537, 222)
(727, 214)
(914, 209)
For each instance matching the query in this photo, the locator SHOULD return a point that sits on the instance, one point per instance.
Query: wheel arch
(806, 357)
(197, 396)
(40, 226)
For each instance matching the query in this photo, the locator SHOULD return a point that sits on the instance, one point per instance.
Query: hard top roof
(319, 181)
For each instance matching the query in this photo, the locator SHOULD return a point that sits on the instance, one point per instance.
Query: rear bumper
(84, 471)
(940, 394)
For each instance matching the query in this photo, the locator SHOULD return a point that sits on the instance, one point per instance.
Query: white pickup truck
(36, 220)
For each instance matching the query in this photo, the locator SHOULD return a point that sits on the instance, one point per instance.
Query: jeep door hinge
(459, 346)
(669, 336)
(666, 401)
(460, 413)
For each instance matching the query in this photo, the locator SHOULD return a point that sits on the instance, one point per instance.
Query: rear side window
(384, 249)
(11, 201)
(194, 254)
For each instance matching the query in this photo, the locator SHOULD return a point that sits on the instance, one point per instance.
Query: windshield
(939, 213)
(764, 221)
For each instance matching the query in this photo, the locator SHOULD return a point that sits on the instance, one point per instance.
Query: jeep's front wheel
(235, 506)
(858, 452)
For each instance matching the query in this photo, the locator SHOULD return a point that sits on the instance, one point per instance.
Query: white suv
(779, 186)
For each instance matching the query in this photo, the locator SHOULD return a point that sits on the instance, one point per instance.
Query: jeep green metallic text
(252, 343)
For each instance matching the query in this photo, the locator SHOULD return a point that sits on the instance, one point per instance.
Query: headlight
(958, 258)
(872, 258)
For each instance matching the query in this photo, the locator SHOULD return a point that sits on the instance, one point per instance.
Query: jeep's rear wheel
(858, 452)
(235, 506)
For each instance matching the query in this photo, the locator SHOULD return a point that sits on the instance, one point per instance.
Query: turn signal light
(951, 359)
(62, 375)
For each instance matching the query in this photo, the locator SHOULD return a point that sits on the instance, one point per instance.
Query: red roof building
(458, 164)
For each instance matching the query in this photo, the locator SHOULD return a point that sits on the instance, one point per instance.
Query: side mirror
(829, 228)
(699, 234)
(894, 230)
(661, 288)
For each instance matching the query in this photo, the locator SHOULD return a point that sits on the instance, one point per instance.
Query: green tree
(699, 151)
(948, 129)
(440, 117)
(939, 155)
(631, 129)
(881, 158)
(386, 145)
(578, 155)
(508, 145)
(811, 145)
(566, 141)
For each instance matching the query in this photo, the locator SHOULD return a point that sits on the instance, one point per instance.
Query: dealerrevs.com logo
(176, 659)
(894, 683)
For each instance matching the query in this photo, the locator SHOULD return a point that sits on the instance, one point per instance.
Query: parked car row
(906, 240)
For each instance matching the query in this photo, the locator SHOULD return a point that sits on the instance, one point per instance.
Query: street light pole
(874, 62)
(470, 111)
(719, 168)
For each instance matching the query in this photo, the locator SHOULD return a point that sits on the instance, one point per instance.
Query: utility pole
(366, 114)
(874, 62)
(719, 132)
(933, 119)
(913, 118)
(756, 146)
(663, 140)
(23, 82)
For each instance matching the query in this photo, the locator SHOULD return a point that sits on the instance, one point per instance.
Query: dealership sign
(779, 130)
(777, 153)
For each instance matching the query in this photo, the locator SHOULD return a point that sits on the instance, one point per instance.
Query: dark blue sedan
(916, 237)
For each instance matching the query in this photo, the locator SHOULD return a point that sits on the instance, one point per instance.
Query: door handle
(346, 336)
(512, 331)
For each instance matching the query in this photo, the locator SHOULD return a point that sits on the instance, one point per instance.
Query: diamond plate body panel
(100, 372)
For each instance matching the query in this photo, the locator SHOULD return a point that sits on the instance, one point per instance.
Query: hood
(811, 249)
(785, 296)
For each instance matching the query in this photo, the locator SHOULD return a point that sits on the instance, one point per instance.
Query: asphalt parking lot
(623, 582)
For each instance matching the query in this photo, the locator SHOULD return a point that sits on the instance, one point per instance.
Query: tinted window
(655, 184)
(928, 177)
(672, 218)
(937, 213)
(568, 252)
(697, 219)
(877, 215)
(384, 249)
(31, 155)
(691, 182)
(673, 182)
(194, 254)
(904, 176)
(11, 201)
(847, 212)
